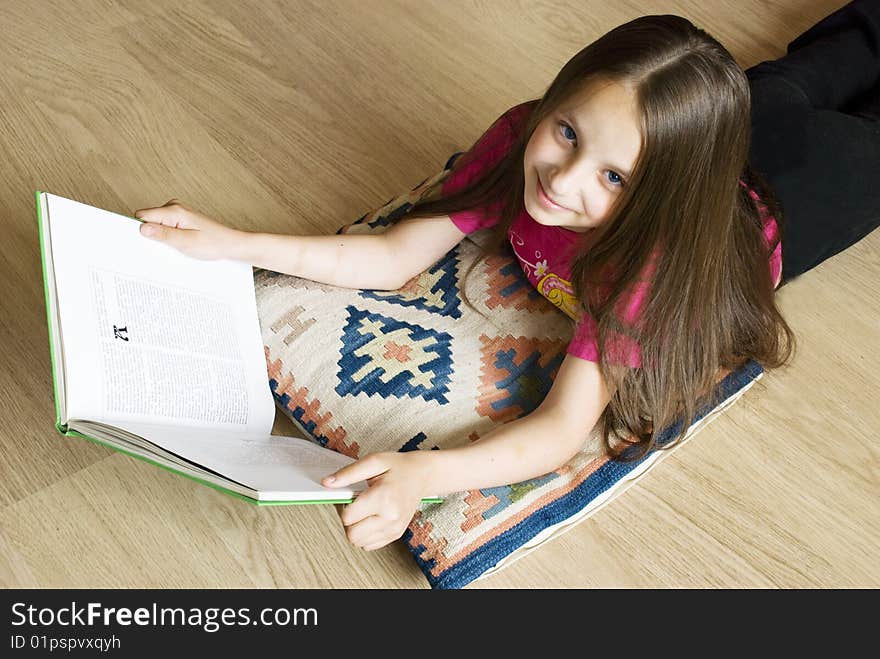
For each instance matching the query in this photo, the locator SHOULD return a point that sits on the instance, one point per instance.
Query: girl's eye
(566, 129)
(614, 178)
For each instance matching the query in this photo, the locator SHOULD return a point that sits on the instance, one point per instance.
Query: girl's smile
(546, 202)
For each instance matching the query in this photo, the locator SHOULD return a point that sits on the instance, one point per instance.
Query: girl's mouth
(545, 201)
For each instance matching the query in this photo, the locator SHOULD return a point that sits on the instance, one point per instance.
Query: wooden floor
(299, 116)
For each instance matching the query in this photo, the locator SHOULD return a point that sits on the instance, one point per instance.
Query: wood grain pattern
(299, 116)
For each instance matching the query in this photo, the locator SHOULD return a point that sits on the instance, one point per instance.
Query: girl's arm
(526, 448)
(384, 261)
(532, 445)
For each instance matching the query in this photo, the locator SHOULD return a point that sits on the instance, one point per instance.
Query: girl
(626, 195)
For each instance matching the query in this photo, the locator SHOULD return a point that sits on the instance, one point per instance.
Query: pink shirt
(546, 253)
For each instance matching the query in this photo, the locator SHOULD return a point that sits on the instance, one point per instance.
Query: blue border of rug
(468, 569)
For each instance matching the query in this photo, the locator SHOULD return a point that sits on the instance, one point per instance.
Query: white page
(151, 335)
(280, 468)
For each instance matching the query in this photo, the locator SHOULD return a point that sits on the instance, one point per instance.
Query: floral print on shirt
(553, 287)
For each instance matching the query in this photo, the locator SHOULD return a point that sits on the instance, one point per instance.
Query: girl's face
(581, 157)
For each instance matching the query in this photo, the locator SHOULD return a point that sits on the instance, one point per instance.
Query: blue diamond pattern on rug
(434, 291)
(388, 357)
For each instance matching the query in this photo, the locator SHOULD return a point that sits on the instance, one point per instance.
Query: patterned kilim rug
(361, 371)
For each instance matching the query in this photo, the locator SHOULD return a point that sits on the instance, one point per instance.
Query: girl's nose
(562, 182)
(567, 185)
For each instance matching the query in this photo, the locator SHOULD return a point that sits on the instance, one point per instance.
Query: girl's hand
(188, 231)
(380, 514)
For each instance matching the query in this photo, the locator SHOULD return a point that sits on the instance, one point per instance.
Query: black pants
(816, 135)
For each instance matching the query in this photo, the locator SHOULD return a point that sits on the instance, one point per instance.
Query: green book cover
(107, 271)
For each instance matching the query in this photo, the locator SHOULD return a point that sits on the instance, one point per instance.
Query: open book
(160, 356)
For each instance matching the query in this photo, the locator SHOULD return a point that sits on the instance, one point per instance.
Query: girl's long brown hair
(710, 303)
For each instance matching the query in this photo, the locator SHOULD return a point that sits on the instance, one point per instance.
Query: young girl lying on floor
(632, 201)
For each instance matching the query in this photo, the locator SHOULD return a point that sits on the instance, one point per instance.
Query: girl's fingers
(358, 511)
(365, 529)
(154, 230)
(363, 469)
(374, 537)
(160, 215)
(178, 238)
(377, 545)
(372, 531)
(144, 213)
(168, 214)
